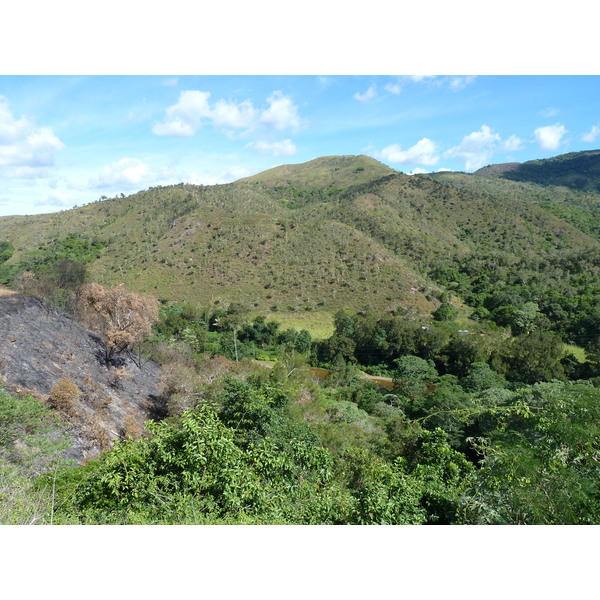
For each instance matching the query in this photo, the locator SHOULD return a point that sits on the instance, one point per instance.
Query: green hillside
(327, 171)
(579, 208)
(334, 232)
(576, 170)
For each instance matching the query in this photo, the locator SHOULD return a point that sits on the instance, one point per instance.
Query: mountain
(342, 231)
(576, 170)
(325, 172)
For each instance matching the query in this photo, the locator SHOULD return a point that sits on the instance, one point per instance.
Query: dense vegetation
(472, 431)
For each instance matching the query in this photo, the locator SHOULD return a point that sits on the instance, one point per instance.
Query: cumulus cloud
(127, 173)
(282, 113)
(550, 137)
(25, 149)
(282, 148)
(476, 149)
(366, 96)
(512, 144)
(193, 110)
(422, 153)
(592, 134)
(185, 118)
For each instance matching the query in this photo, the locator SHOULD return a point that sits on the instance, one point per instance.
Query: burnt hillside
(39, 346)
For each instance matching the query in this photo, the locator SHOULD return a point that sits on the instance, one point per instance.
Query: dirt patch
(4, 291)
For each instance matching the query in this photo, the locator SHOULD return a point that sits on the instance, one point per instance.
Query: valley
(332, 342)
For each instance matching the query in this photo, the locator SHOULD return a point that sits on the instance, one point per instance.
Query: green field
(318, 323)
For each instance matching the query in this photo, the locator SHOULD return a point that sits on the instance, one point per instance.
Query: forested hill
(576, 170)
(335, 232)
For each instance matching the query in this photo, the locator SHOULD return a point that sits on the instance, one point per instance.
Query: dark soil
(39, 346)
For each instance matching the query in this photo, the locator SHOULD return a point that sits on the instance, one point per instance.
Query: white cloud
(171, 82)
(550, 137)
(458, 82)
(420, 78)
(25, 149)
(227, 176)
(282, 148)
(367, 96)
(193, 110)
(477, 148)
(422, 153)
(231, 115)
(393, 88)
(282, 113)
(185, 118)
(454, 82)
(127, 173)
(417, 171)
(549, 112)
(592, 134)
(59, 199)
(512, 144)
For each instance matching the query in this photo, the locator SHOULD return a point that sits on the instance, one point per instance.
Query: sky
(68, 140)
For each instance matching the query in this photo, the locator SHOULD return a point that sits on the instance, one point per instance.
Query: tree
(6, 251)
(445, 312)
(123, 318)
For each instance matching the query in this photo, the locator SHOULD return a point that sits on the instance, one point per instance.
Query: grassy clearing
(318, 323)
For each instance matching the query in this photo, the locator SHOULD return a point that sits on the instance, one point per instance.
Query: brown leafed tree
(123, 318)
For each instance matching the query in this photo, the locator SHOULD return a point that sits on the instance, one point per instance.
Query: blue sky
(68, 140)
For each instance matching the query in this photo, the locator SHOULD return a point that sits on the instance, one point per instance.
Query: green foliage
(577, 170)
(429, 488)
(530, 358)
(445, 312)
(481, 377)
(540, 465)
(6, 251)
(32, 443)
(248, 408)
(199, 457)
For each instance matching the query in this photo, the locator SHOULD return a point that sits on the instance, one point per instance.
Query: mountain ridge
(303, 237)
(575, 170)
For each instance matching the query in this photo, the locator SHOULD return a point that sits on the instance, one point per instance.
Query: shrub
(63, 395)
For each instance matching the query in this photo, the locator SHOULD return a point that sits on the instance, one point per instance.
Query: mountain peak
(326, 171)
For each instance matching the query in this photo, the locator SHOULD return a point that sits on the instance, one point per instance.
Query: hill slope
(327, 171)
(39, 346)
(333, 232)
(576, 170)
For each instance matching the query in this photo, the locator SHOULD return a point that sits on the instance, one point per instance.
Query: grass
(318, 323)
